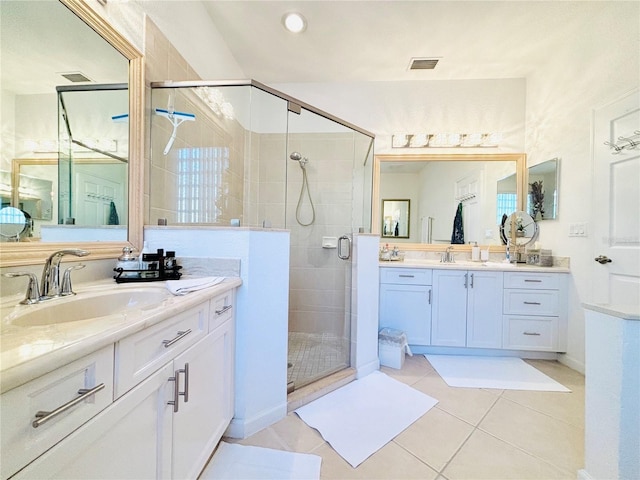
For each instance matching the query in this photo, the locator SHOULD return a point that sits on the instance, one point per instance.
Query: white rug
(507, 373)
(239, 462)
(364, 415)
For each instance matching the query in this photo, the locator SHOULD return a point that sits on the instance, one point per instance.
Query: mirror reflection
(64, 95)
(395, 218)
(449, 191)
(542, 199)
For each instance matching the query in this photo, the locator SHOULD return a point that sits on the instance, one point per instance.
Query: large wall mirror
(72, 131)
(486, 186)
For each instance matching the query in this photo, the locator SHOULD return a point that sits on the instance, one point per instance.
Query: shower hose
(305, 186)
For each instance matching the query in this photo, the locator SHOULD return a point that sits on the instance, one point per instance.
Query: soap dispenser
(128, 262)
(475, 252)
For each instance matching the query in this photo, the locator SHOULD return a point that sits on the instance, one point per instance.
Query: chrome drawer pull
(532, 303)
(43, 417)
(533, 281)
(176, 388)
(180, 336)
(185, 394)
(406, 276)
(429, 296)
(534, 334)
(224, 309)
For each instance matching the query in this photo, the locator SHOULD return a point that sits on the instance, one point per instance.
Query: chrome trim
(224, 309)
(180, 335)
(43, 417)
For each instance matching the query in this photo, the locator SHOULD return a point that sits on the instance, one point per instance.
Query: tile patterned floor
(312, 356)
(471, 433)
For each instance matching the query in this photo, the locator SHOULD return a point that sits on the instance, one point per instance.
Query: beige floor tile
(435, 437)
(545, 437)
(486, 457)
(266, 438)
(468, 404)
(559, 372)
(415, 367)
(567, 407)
(297, 435)
(391, 462)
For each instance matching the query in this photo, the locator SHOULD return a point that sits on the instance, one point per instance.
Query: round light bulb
(294, 22)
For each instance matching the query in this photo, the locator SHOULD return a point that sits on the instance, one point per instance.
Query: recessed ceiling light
(294, 22)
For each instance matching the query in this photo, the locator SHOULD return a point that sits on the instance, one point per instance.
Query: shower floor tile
(314, 355)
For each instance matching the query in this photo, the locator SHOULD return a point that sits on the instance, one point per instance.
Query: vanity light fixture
(445, 140)
(294, 22)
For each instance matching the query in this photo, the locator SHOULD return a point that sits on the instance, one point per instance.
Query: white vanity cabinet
(467, 308)
(173, 401)
(405, 302)
(535, 311)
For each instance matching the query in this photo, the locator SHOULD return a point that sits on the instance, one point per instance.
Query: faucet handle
(33, 292)
(66, 289)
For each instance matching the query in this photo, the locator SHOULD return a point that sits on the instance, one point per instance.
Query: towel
(182, 287)
(457, 236)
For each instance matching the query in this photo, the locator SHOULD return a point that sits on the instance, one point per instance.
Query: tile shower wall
(202, 178)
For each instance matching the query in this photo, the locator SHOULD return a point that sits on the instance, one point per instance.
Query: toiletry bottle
(128, 261)
(170, 260)
(475, 252)
(144, 251)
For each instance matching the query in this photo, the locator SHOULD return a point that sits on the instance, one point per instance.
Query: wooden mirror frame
(25, 253)
(520, 160)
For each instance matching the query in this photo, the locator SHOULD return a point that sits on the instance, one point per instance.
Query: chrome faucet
(50, 282)
(448, 256)
(33, 292)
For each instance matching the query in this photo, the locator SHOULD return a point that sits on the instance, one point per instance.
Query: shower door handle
(341, 241)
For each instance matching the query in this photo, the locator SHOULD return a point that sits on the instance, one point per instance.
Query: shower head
(295, 156)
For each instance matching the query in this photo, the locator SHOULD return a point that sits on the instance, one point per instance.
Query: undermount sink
(85, 306)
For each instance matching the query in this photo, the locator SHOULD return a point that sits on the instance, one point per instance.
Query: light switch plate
(578, 229)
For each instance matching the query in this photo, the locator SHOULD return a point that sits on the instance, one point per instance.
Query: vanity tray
(168, 274)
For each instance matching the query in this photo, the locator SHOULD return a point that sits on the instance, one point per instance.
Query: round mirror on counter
(520, 227)
(13, 222)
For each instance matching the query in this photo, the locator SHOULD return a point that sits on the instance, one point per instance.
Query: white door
(617, 202)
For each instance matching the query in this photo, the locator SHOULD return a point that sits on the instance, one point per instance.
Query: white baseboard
(364, 370)
(572, 363)
(243, 428)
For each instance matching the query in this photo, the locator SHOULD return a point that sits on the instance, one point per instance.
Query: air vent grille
(423, 63)
(75, 77)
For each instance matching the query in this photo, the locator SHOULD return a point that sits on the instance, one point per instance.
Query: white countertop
(626, 312)
(469, 265)
(28, 352)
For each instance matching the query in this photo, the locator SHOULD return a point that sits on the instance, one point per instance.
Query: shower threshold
(312, 391)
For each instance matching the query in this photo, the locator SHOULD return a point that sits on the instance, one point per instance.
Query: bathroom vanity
(145, 394)
(471, 305)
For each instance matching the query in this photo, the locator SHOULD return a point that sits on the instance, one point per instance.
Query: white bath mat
(239, 462)
(364, 415)
(507, 373)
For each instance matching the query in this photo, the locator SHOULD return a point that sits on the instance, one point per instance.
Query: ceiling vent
(76, 77)
(423, 63)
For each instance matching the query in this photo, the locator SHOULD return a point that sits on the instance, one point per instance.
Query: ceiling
(353, 41)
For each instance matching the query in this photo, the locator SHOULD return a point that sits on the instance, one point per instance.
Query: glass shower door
(319, 211)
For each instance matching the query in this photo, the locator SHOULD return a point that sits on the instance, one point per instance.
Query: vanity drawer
(58, 393)
(526, 333)
(141, 354)
(535, 302)
(406, 276)
(221, 310)
(532, 280)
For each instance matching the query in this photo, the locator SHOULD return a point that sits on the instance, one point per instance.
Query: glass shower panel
(320, 202)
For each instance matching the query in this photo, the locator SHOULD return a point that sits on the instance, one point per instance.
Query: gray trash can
(392, 346)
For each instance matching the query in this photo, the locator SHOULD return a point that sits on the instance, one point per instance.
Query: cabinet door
(130, 439)
(201, 419)
(407, 308)
(449, 310)
(484, 309)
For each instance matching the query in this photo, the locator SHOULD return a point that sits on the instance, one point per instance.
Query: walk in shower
(245, 154)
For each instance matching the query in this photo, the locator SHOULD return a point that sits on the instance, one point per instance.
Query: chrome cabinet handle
(176, 388)
(406, 276)
(532, 303)
(472, 280)
(466, 280)
(181, 334)
(532, 281)
(43, 417)
(602, 259)
(535, 334)
(429, 296)
(224, 309)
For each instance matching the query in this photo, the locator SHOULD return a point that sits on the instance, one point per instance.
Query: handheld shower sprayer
(297, 157)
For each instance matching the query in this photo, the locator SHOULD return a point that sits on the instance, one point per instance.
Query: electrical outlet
(578, 229)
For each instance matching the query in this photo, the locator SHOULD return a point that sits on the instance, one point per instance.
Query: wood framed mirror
(26, 253)
(487, 185)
